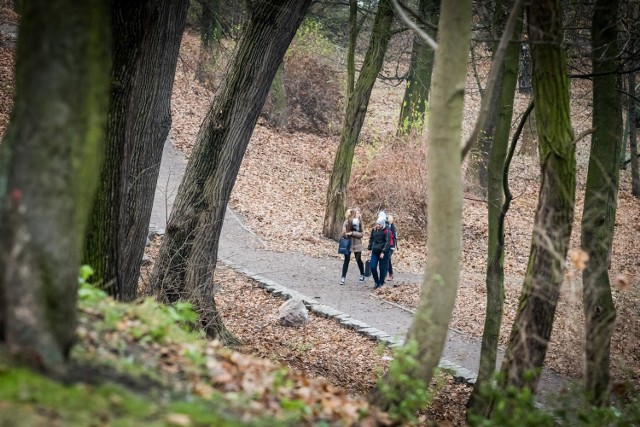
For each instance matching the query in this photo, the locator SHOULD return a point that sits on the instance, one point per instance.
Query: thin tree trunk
(430, 323)
(351, 50)
(48, 171)
(600, 202)
(416, 93)
(210, 28)
(146, 41)
(633, 146)
(554, 215)
(354, 119)
(496, 195)
(279, 111)
(188, 255)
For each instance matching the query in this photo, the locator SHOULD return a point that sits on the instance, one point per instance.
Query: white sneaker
(362, 278)
(342, 279)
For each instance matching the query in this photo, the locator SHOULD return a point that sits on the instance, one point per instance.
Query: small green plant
(407, 394)
(511, 406)
(87, 292)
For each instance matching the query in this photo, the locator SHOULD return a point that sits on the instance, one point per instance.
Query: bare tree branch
(498, 59)
(419, 31)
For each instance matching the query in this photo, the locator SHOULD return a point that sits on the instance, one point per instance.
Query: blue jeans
(375, 261)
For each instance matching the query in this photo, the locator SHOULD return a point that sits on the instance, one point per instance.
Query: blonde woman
(352, 228)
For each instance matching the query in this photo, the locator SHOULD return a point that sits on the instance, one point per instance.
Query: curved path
(315, 280)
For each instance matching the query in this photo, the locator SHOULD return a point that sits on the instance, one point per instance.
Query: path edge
(345, 320)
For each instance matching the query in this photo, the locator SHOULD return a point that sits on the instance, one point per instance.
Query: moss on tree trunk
(416, 93)
(600, 202)
(49, 169)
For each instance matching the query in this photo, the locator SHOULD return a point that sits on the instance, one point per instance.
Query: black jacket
(378, 241)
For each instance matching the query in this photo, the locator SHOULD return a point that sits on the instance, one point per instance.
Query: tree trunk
(48, 172)
(524, 79)
(430, 323)
(495, 198)
(186, 262)
(600, 202)
(354, 118)
(210, 28)
(351, 49)
(554, 215)
(416, 93)
(633, 146)
(146, 41)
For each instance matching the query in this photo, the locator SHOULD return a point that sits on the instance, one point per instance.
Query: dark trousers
(382, 262)
(345, 264)
(390, 264)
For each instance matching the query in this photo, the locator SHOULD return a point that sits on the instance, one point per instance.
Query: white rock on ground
(293, 313)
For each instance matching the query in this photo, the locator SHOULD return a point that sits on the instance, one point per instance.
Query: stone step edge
(459, 372)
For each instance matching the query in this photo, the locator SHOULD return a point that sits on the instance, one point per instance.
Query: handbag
(367, 267)
(344, 246)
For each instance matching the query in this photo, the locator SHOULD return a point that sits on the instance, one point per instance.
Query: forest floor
(280, 192)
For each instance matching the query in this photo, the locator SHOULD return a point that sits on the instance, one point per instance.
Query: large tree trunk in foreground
(184, 268)
(354, 118)
(495, 198)
(146, 40)
(430, 323)
(48, 170)
(554, 215)
(416, 93)
(600, 202)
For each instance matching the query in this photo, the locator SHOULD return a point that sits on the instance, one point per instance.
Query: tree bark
(633, 146)
(146, 41)
(554, 215)
(430, 323)
(495, 198)
(48, 171)
(354, 118)
(416, 93)
(600, 202)
(351, 49)
(188, 255)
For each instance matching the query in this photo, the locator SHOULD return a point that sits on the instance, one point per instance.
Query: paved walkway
(316, 281)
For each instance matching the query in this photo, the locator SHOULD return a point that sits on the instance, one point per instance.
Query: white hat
(382, 217)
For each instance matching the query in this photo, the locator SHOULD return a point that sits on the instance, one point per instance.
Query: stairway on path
(316, 280)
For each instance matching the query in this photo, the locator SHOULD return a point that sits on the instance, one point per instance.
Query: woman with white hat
(378, 245)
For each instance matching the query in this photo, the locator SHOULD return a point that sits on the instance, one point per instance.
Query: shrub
(312, 84)
(393, 177)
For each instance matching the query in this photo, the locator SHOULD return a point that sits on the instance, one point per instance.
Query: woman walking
(352, 228)
(379, 245)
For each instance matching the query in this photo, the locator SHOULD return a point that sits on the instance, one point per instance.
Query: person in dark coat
(378, 245)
